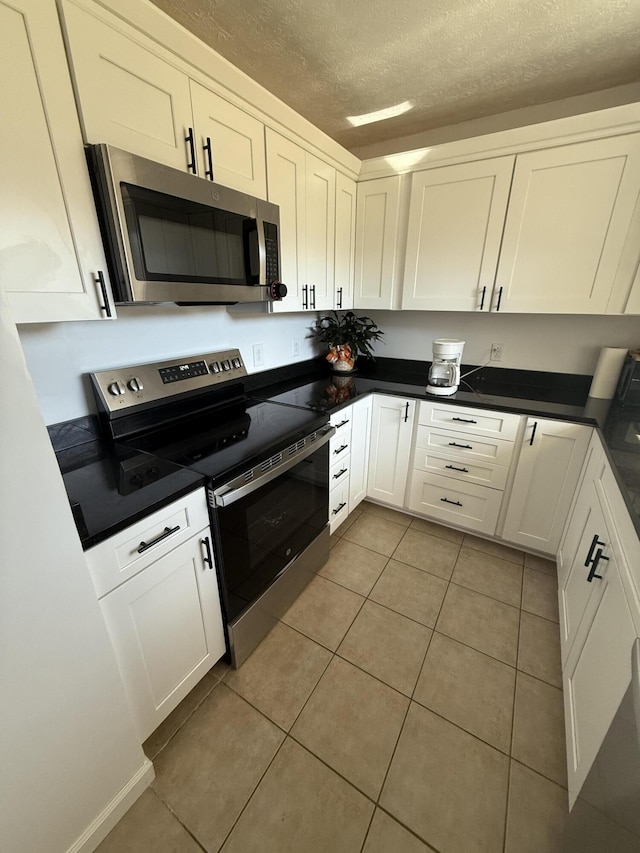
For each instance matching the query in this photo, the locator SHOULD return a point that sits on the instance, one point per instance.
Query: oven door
(271, 537)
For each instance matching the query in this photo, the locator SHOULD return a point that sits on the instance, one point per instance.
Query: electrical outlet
(258, 355)
(295, 347)
(496, 352)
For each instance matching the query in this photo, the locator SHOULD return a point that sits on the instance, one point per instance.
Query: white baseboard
(98, 829)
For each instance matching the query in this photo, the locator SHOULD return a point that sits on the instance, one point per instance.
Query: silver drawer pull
(340, 473)
(144, 546)
(447, 501)
(453, 468)
(339, 507)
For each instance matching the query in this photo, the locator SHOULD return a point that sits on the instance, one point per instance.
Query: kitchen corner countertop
(547, 395)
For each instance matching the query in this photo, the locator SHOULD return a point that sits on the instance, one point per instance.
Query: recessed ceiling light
(380, 115)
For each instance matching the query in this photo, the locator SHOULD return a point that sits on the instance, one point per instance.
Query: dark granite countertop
(110, 486)
(547, 395)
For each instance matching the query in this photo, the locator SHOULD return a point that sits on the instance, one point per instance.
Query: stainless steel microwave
(174, 237)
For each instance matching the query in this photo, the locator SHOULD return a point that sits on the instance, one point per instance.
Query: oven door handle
(224, 496)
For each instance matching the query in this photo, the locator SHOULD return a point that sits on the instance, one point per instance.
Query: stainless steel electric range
(266, 466)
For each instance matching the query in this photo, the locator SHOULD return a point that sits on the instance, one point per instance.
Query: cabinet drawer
(339, 446)
(483, 474)
(342, 422)
(338, 505)
(475, 421)
(463, 446)
(124, 555)
(340, 470)
(463, 504)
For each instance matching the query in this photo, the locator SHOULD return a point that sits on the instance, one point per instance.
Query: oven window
(261, 533)
(174, 239)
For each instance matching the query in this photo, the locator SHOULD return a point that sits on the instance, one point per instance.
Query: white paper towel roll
(607, 373)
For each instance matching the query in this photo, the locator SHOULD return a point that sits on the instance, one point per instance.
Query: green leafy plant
(357, 332)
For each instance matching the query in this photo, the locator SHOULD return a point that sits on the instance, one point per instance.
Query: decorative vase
(341, 358)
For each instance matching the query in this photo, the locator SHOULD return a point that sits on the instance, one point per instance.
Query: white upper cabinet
(229, 143)
(304, 187)
(569, 214)
(286, 179)
(128, 96)
(321, 227)
(134, 99)
(456, 219)
(377, 220)
(50, 247)
(345, 247)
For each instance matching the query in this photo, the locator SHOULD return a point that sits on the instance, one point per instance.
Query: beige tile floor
(409, 701)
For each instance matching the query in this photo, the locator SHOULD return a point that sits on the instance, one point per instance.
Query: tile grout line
(182, 824)
(251, 795)
(513, 723)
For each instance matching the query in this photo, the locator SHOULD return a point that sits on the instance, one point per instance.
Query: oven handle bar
(224, 496)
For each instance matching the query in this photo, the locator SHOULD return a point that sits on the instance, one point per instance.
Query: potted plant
(347, 337)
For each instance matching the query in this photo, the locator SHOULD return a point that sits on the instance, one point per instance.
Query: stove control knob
(215, 367)
(135, 384)
(236, 363)
(117, 389)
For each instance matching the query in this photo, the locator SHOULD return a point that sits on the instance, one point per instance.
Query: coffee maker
(444, 373)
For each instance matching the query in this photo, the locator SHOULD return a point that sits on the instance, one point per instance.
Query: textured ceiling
(455, 59)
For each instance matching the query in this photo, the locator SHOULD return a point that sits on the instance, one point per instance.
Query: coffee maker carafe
(444, 373)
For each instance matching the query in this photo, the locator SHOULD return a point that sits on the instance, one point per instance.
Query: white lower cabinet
(460, 464)
(391, 430)
(163, 616)
(361, 412)
(548, 470)
(349, 459)
(599, 612)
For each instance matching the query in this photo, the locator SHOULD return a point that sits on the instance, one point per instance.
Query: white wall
(68, 742)
(551, 342)
(58, 354)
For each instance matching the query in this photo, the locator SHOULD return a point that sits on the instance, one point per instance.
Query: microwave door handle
(225, 496)
(262, 252)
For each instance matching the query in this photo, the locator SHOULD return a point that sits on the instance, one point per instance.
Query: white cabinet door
(286, 181)
(378, 208)
(596, 677)
(320, 232)
(361, 412)
(391, 429)
(546, 477)
(569, 213)
(50, 246)
(578, 590)
(166, 628)
(236, 141)
(128, 96)
(456, 219)
(345, 246)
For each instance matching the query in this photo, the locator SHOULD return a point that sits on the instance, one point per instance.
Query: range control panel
(126, 387)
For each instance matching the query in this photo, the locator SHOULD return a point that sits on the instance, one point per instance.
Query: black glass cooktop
(223, 442)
